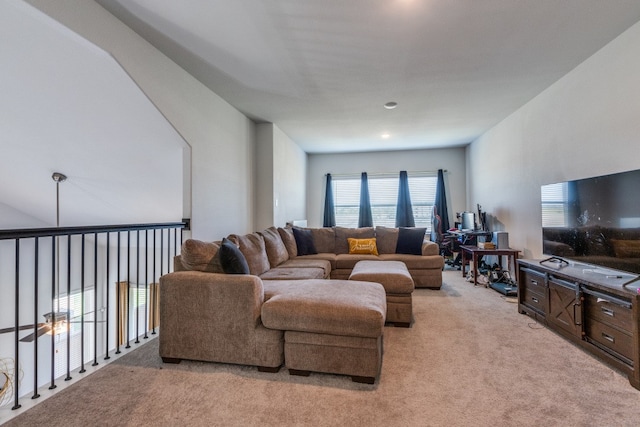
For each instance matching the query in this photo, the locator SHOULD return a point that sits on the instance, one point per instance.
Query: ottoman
(398, 285)
(331, 326)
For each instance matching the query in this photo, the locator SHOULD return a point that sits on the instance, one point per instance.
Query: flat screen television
(594, 220)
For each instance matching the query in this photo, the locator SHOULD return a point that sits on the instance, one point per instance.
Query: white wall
(290, 179)
(67, 106)
(220, 137)
(586, 124)
(451, 159)
(281, 170)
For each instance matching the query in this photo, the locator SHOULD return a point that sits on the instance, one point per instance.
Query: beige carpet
(469, 359)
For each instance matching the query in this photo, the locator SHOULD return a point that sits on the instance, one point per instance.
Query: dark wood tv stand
(596, 308)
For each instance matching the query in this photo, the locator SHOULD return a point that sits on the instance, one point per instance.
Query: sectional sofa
(283, 309)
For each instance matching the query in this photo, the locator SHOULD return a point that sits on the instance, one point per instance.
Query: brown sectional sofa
(262, 318)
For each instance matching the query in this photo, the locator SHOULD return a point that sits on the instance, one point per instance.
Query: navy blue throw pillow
(231, 259)
(410, 240)
(304, 241)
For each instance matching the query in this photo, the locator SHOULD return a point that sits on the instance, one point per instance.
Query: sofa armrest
(430, 248)
(212, 295)
(209, 316)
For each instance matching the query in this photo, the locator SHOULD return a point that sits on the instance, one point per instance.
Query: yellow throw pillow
(363, 246)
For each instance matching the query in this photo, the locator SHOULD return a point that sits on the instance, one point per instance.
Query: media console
(597, 308)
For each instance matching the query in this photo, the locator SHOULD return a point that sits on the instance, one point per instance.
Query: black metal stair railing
(71, 266)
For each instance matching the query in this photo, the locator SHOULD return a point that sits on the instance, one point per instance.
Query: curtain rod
(379, 174)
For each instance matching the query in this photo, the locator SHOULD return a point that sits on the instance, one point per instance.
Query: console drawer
(534, 300)
(610, 337)
(607, 311)
(534, 282)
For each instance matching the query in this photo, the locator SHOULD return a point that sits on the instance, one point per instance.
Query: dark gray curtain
(440, 205)
(365, 219)
(329, 206)
(404, 210)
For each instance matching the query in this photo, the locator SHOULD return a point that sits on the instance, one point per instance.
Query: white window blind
(383, 192)
(555, 209)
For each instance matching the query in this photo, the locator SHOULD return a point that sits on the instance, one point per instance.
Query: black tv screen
(594, 220)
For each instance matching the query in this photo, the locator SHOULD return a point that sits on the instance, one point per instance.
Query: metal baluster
(128, 285)
(16, 364)
(137, 341)
(54, 240)
(118, 303)
(153, 332)
(68, 308)
(95, 300)
(106, 329)
(146, 283)
(35, 319)
(82, 246)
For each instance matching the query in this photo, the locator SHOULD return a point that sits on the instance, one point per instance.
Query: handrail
(114, 272)
(23, 233)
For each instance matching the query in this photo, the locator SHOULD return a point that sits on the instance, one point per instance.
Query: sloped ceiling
(67, 106)
(322, 70)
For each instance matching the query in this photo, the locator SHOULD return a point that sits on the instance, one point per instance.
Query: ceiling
(321, 70)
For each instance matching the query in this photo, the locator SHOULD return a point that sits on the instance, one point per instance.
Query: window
(554, 204)
(383, 192)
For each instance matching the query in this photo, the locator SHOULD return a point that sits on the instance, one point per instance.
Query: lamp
(55, 328)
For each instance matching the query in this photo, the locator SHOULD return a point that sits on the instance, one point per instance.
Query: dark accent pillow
(232, 260)
(410, 240)
(304, 241)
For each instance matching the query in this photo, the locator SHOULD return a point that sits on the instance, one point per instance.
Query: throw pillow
(276, 250)
(304, 241)
(197, 255)
(386, 239)
(363, 246)
(343, 233)
(254, 251)
(232, 260)
(410, 240)
(289, 241)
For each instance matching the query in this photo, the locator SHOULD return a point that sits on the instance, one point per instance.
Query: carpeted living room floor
(469, 359)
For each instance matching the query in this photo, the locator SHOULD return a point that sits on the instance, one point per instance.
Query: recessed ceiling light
(390, 105)
(385, 136)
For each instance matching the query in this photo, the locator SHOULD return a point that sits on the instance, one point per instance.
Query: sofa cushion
(324, 239)
(335, 307)
(410, 240)
(363, 246)
(231, 259)
(348, 261)
(386, 239)
(310, 261)
(293, 273)
(253, 248)
(276, 250)
(626, 248)
(323, 256)
(289, 241)
(416, 262)
(343, 234)
(304, 241)
(201, 256)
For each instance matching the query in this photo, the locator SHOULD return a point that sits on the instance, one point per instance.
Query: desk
(476, 253)
(468, 238)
